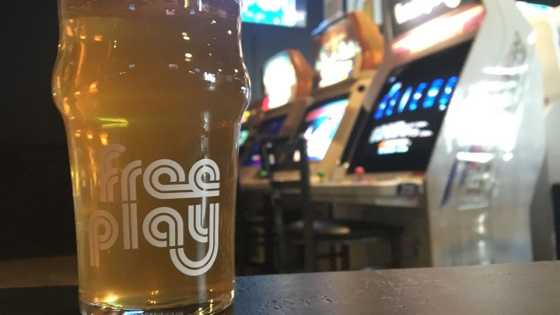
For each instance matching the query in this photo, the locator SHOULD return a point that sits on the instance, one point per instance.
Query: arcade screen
(321, 124)
(288, 13)
(403, 127)
(268, 128)
(280, 80)
(338, 50)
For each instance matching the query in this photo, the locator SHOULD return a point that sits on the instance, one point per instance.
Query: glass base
(198, 309)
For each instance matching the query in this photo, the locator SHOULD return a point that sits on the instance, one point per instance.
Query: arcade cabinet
(351, 49)
(288, 83)
(453, 134)
(546, 23)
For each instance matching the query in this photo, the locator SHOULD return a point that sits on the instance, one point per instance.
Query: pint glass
(152, 93)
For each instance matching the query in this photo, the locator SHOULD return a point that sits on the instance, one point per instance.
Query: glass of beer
(152, 93)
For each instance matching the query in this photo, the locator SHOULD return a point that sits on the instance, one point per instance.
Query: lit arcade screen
(403, 127)
(338, 53)
(288, 13)
(268, 128)
(280, 80)
(320, 126)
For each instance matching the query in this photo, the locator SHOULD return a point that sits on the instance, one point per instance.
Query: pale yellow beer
(146, 86)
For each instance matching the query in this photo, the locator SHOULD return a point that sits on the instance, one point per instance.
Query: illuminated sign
(289, 13)
(439, 30)
(408, 11)
(413, 13)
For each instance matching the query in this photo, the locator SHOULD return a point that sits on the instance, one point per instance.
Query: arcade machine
(453, 134)
(350, 51)
(553, 126)
(250, 120)
(288, 83)
(546, 24)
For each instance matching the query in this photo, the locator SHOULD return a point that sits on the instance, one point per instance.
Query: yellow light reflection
(104, 138)
(246, 116)
(69, 31)
(152, 300)
(90, 135)
(98, 38)
(111, 298)
(93, 88)
(109, 122)
(65, 106)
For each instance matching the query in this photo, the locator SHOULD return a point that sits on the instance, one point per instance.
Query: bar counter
(48, 287)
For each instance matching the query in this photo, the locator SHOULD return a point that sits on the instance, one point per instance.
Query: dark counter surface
(503, 289)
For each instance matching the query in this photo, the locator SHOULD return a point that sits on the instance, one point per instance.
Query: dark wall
(36, 207)
(37, 214)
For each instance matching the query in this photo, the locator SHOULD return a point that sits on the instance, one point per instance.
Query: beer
(152, 94)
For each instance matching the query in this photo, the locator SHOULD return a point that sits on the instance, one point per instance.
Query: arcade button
(359, 171)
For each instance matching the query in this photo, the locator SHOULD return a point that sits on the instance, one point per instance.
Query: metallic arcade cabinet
(453, 134)
(546, 24)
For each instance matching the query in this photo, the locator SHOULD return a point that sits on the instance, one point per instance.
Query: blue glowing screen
(404, 124)
(409, 97)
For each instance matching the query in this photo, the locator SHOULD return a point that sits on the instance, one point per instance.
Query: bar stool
(286, 164)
